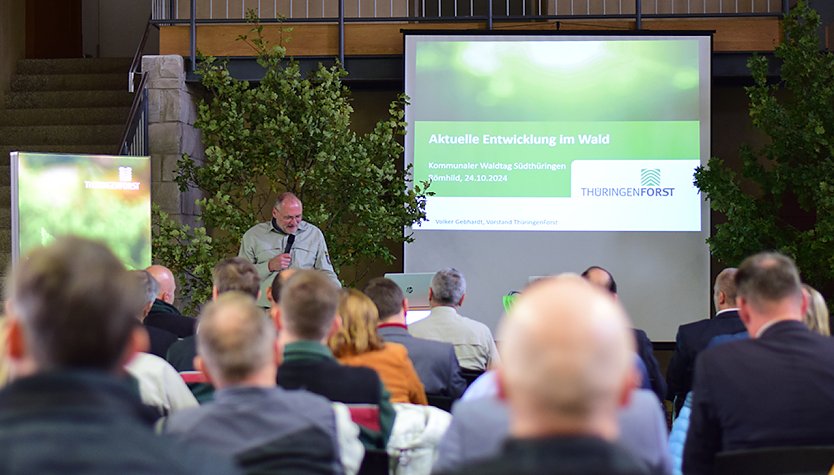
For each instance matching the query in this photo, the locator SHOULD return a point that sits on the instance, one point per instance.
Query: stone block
(165, 138)
(167, 196)
(156, 169)
(188, 206)
(164, 66)
(169, 167)
(192, 142)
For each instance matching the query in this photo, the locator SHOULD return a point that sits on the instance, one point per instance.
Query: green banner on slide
(533, 159)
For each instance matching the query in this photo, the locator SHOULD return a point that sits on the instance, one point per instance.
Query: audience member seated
(238, 351)
(601, 277)
(473, 342)
(356, 343)
(775, 389)
(232, 274)
(435, 362)
(71, 312)
(816, 317)
(163, 314)
(306, 316)
(480, 426)
(160, 386)
(160, 340)
(566, 370)
(694, 337)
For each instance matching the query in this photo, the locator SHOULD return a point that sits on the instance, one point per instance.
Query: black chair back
(375, 462)
(470, 375)
(777, 460)
(441, 402)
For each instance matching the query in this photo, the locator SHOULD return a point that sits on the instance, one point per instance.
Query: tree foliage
(289, 132)
(782, 198)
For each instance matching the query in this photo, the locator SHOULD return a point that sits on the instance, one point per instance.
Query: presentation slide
(551, 152)
(557, 133)
(107, 198)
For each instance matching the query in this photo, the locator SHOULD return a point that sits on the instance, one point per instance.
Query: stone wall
(171, 115)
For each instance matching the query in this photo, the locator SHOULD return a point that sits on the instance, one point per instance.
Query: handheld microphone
(290, 241)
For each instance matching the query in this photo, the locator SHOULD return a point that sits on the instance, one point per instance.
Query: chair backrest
(470, 375)
(308, 451)
(375, 462)
(776, 460)
(441, 402)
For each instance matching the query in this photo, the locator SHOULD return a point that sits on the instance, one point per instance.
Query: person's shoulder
(479, 327)
(189, 419)
(258, 228)
(306, 226)
(302, 398)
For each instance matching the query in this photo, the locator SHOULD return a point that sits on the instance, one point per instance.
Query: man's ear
(405, 306)
(500, 383)
(431, 295)
(214, 293)
(335, 326)
(278, 349)
(139, 342)
(269, 295)
(275, 314)
(722, 298)
(15, 340)
(460, 302)
(631, 381)
(805, 302)
(743, 310)
(201, 366)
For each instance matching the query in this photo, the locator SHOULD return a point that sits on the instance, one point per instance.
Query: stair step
(73, 66)
(72, 149)
(69, 82)
(76, 116)
(60, 134)
(68, 99)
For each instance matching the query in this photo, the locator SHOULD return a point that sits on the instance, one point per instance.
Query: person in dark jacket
(306, 316)
(72, 319)
(163, 314)
(694, 337)
(775, 389)
(645, 350)
(160, 340)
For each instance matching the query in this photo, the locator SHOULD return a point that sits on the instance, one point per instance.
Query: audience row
(107, 376)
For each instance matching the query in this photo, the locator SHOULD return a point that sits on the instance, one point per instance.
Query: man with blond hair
(566, 369)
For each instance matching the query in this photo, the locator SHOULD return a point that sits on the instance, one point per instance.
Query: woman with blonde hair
(816, 317)
(358, 344)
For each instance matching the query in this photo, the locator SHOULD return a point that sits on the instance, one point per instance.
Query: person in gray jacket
(263, 426)
(435, 361)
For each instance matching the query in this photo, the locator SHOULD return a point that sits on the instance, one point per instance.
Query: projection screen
(549, 153)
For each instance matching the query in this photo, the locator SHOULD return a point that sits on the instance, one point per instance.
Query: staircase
(60, 105)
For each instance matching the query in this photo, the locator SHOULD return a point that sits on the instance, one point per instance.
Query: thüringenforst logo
(650, 177)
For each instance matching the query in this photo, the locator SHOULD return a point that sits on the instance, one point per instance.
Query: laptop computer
(415, 286)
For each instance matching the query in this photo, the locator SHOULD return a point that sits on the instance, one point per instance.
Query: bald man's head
(566, 359)
(167, 285)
